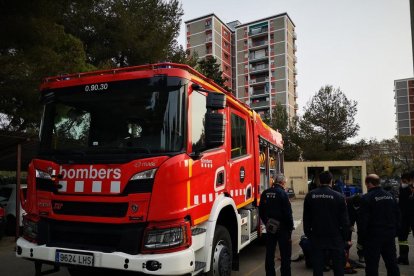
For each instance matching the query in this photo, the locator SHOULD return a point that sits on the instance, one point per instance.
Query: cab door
(241, 166)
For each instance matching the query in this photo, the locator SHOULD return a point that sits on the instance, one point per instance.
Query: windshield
(143, 116)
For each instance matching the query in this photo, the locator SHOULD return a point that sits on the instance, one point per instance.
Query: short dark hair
(372, 179)
(325, 178)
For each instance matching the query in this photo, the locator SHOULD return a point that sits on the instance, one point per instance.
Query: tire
(222, 254)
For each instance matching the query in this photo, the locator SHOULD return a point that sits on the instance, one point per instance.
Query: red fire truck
(153, 168)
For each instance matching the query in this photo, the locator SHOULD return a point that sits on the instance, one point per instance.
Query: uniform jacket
(274, 203)
(353, 214)
(404, 201)
(380, 214)
(325, 217)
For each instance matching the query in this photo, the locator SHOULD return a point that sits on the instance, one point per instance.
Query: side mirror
(214, 128)
(216, 100)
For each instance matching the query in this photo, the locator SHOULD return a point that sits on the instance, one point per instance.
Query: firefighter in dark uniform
(403, 202)
(353, 205)
(379, 223)
(326, 224)
(274, 203)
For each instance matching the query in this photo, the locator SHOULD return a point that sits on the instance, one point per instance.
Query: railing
(259, 80)
(258, 31)
(257, 92)
(258, 43)
(259, 104)
(254, 57)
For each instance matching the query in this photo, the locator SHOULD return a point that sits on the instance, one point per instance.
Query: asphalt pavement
(251, 258)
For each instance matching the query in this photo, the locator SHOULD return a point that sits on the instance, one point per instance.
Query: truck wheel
(222, 254)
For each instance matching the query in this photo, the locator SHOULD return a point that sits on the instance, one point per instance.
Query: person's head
(372, 181)
(405, 179)
(280, 179)
(325, 178)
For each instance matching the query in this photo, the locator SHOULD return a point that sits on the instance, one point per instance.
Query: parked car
(2, 221)
(290, 192)
(8, 202)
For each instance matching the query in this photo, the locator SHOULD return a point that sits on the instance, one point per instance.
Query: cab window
(198, 106)
(238, 136)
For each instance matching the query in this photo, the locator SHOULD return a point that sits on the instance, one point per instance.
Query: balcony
(254, 58)
(259, 68)
(258, 44)
(259, 80)
(259, 103)
(263, 91)
(256, 32)
(209, 39)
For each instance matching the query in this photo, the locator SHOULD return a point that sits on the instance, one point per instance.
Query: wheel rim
(221, 260)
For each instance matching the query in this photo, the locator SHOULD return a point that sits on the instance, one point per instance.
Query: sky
(359, 46)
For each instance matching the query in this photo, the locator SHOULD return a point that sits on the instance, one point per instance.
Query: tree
(279, 120)
(176, 54)
(45, 37)
(406, 153)
(32, 46)
(383, 157)
(121, 33)
(211, 69)
(327, 123)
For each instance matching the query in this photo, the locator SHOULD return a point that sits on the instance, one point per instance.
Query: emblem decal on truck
(206, 163)
(88, 173)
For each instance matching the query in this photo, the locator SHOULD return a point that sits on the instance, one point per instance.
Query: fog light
(153, 265)
(19, 250)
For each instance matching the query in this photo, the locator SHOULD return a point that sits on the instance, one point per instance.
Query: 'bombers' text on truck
(154, 169)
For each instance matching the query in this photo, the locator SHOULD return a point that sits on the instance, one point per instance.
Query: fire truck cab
(153, 168)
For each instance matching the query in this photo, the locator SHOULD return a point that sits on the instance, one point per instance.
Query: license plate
(75, 258)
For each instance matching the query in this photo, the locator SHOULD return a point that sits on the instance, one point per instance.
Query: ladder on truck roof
(155, 66)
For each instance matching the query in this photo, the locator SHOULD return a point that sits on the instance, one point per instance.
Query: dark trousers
(285, 248)
(319, 255)
(403, 237)
(381, 245)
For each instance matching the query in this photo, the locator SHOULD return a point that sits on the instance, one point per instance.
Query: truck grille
(92, 236)
(93, 209)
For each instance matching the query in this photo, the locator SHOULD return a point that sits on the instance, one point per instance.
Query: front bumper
(176, 263)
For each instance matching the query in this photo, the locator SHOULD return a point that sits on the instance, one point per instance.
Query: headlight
(43, 175)
(45, 182)
(144, 175)
(141, 182)
(167, 238)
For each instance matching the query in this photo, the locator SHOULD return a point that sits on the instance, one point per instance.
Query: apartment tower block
(404, 104)
(257, 58)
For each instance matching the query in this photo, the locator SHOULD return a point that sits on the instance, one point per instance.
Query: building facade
(404, 104)
(258, 58)
(209, 36)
